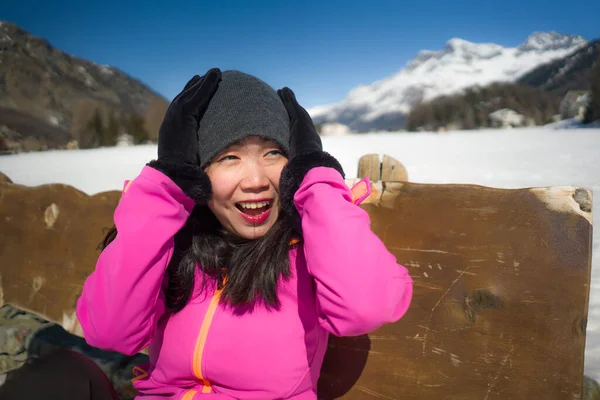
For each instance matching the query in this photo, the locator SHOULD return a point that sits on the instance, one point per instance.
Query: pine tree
(3, 144)
(96, 126)
(110, 134)
(469, 119)
(135, 126)
(592, 112)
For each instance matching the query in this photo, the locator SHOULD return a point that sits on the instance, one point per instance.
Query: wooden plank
(501, 286)
(393, 170)
(50, 243)
(500, 303)
(369, 165)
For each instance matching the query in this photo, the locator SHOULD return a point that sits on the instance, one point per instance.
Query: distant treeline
(593, 110)
(105, 128)
(471, 108)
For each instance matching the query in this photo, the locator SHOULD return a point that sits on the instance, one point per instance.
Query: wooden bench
(501, 279)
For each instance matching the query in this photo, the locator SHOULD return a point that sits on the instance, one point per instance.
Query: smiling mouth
(254, 208)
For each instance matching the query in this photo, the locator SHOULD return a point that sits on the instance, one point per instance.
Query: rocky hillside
(573, 72)
(49, 98)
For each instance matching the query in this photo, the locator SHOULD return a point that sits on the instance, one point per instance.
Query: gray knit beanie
(242, 106)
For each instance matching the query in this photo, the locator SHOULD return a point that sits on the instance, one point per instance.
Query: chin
(250, 232)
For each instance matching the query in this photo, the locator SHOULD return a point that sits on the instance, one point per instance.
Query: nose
(255, 178)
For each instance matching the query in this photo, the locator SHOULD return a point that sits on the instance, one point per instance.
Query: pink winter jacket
(344, 282)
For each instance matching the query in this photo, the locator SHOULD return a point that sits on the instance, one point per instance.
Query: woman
(237, 252)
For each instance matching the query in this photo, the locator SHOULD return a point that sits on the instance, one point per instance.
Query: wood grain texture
(501, 281)
(50, 243)
(393, 170)
(369, 165)
(501, 285)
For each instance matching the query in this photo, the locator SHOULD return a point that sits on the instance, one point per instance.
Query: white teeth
(254, 204)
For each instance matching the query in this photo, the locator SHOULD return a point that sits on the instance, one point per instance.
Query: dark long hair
(253, 267)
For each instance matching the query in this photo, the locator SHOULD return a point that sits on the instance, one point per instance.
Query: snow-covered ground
(515, 158)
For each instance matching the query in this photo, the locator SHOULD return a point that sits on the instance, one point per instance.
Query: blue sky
(320, 49)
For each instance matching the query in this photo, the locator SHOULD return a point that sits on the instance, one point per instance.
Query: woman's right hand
(178, 156)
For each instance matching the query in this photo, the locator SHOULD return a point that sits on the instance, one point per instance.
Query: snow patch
(89, 80)
(573, 123)
(53, 120)
(335, 129)
(106, 70)
(540, 41)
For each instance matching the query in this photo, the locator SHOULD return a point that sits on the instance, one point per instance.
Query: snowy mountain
(460, 64)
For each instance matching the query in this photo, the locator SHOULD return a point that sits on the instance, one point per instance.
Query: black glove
(306, 151)
(178, 156)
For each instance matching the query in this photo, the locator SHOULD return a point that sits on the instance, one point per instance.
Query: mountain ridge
(384, 104)
(573, 72)
(62, 91)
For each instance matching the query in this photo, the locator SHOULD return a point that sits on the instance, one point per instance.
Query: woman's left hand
(304, 138)
(358, 284)
(306, 151)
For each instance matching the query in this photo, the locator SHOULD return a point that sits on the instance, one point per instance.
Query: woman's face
(245, 185)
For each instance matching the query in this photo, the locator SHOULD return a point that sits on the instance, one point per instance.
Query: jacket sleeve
(122, 299)
(359, 285)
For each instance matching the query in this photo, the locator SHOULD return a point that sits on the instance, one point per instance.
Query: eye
(227, 158)
(275, 153)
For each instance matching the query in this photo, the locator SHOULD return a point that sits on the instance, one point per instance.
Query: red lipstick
(251, 215)
(256, 219)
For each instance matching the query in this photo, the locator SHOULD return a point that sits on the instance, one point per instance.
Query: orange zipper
(189, 395)
(143, 374)
(201, 341)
